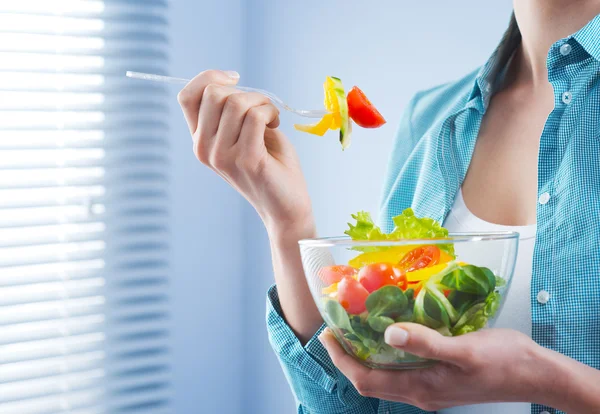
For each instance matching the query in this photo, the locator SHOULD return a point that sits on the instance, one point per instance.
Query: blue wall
(390, 49)
(206, 226)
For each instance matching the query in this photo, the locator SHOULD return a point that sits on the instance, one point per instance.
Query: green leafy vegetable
(462, 301)
(470, 279)
(408, 314)
(436, 310)
(338, 315)
(407, 226)
(384, 305)
(477, 316)
(387, 301)
(492, 303)
(379, 323)
(360, 350)
(365, 229)
(472, 299)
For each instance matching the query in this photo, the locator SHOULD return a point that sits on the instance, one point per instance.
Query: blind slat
(84, 313)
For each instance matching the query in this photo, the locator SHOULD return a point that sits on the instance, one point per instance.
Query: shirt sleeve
(318, 387)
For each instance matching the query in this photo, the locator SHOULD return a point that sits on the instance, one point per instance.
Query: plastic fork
(276, 100)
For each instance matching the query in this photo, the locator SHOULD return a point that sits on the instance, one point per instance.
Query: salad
(342, 110)
(425, 284)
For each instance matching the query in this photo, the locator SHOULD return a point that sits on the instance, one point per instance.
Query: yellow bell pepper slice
(391, 255)
(444, 257)
(425, 273)
(330, 289)
(332, 120)
(331, 101)
(320, 128)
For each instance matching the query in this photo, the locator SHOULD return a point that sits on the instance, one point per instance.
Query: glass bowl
(455, 285)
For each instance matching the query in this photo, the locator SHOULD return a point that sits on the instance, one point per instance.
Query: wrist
(544, 376)
(553, 375)
(286, 233)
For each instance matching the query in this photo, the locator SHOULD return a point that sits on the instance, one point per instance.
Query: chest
(501, 181)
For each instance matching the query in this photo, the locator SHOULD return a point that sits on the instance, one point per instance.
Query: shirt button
(544, 198)
(565, 49)
(567, 97)
(544, 412)
(543, 297)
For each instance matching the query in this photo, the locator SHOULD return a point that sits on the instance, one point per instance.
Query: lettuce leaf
(407, 226)
(365, 229)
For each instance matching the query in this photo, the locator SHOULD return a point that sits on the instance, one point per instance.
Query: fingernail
(321, 337)
(395, 336)
(232, 74)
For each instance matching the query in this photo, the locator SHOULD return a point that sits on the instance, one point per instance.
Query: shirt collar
(589, 37)
(491, 73)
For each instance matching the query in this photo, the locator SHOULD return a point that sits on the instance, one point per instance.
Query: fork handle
(272, 97)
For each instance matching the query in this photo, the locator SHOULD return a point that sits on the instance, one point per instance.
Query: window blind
(83, 208)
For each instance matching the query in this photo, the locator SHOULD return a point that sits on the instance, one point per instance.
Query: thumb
(422, 341)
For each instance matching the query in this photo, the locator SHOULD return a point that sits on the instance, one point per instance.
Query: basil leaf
(387, 301)
(379, 323)
(338, 315)
(469, 279)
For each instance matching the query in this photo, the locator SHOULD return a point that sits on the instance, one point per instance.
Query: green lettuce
(406, 226)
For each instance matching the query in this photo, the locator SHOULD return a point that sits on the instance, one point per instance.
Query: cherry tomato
(376, 275)
(419, 258)
(352, 295)
(333, 274)
(362, 111)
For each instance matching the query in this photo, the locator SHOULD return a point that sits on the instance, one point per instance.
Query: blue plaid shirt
(429, 162)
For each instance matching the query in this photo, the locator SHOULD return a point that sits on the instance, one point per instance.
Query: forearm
(297, 304)
(569, 385)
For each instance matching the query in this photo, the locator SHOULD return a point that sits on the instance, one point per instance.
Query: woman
(518, 142)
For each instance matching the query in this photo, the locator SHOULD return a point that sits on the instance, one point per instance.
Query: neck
(542, 23)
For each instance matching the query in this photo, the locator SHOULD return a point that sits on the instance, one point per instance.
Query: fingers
(369, 382)
(238, 110)
(341, 359)
(190, 96)
(251, 136)
(227, 117)
(425, 342)
(214, 100)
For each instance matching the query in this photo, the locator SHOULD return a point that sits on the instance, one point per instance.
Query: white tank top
(516, 312)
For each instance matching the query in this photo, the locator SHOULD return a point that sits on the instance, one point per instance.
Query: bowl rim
(453, 237)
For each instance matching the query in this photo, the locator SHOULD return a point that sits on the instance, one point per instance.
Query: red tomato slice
(419, 258)
(362, 111)
(333, 274)
(352, 296)
(376, 275)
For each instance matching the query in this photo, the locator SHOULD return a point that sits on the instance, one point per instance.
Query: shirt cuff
(312, 358)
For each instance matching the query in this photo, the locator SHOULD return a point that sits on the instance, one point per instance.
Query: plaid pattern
(428, 164)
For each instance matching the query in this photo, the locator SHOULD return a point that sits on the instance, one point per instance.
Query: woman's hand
(236, 135)
(492, 365)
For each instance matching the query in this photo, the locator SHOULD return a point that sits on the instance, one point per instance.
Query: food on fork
(342, 110)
